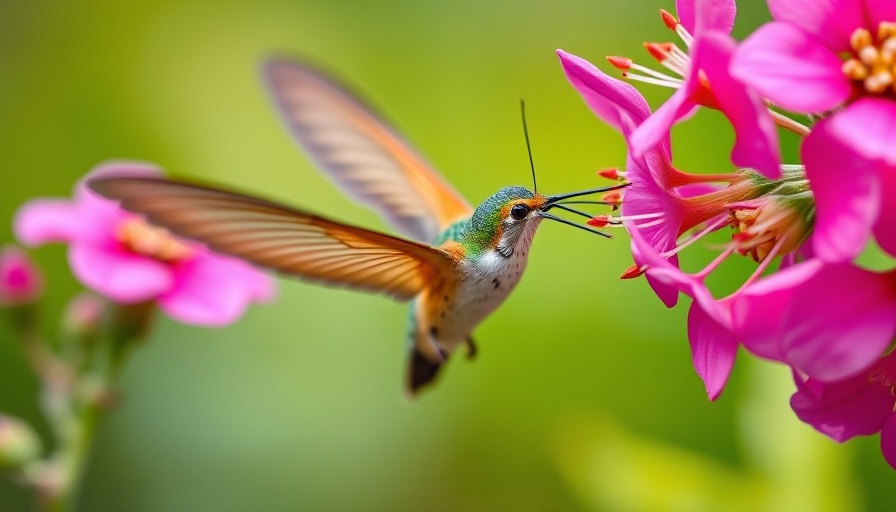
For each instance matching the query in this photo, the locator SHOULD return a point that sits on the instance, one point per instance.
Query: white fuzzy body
(485, 282)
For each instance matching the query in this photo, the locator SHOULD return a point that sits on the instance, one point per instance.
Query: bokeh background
(582, 398)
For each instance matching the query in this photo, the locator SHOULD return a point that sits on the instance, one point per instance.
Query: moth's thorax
(484, 282)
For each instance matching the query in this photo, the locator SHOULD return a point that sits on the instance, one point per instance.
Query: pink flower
(796, 61)
(710, 332)
(120, 256)
(790, 316)
(827, 321)
(665, 203)
(621, 106)
(707, 81)
(853, 191)
(20, 280)
(824, 55)
(859, 406)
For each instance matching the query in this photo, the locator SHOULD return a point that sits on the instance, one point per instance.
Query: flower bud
(20, 280)
(19, 445)
(83, 314)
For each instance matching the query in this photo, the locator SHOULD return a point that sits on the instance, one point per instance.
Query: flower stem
(789, 124)
(75, 402)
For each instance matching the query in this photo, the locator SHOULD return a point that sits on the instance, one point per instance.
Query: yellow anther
(860, 39)
(869, 55)
(886, 30)
(151, 241)
(878, 82)
(855, 70)
(874, 62)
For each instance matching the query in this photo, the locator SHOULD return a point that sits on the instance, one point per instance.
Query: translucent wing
(366, 158)
(283, 239)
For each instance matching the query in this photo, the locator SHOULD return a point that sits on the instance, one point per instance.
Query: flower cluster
(832, 65)
(130, 268)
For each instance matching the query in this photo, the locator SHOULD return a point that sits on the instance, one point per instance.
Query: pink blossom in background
(862, 405)
(20, 281)
(123, 258)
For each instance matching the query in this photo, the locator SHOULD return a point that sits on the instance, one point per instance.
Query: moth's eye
(519, 211)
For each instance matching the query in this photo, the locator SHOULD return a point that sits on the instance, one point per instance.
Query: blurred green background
(583, 397)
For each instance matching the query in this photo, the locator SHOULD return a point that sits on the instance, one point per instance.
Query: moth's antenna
(528, 146)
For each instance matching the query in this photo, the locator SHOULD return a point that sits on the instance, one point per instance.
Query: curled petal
(793, 317)
(667, 292)
(655, 129)
(847, 195)
(617, 103)
(756, 144)
(713, 349)
(843, 410)
(791, 68)
(868, 126)
(121, 276)
(832, 22)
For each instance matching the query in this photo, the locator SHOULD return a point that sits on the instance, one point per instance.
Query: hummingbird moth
(456, 265)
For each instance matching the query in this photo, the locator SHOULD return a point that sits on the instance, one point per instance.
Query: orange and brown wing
(281, 238)
(359, 151)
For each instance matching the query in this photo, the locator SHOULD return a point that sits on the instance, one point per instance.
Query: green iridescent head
(499, 222)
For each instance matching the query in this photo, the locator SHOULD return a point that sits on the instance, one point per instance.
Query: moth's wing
(361, 153)
(283, 239)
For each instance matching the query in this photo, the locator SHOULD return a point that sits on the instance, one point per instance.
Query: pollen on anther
(613, 198)
(599, 221)
(855, 70)
(620, 63)
(859, 39)
(659, 51)
(669, 19)
(633, 272)
(610, 174)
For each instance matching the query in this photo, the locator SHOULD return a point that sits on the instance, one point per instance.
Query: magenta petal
(791, 68)
(707, 15)
(868, 126)
(832, 22)
(713, 348)
(878, 11)
(828, 321)
(667, 292)
(41, 221)
(888, 440)
(120, 276)
(617, 103)
(756, 144)
(655, 129)
(210, 290)
(847, 195)
(885, 227)
(843, 410)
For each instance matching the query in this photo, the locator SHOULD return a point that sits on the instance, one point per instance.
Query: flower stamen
(872, 63)
(141, 238)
